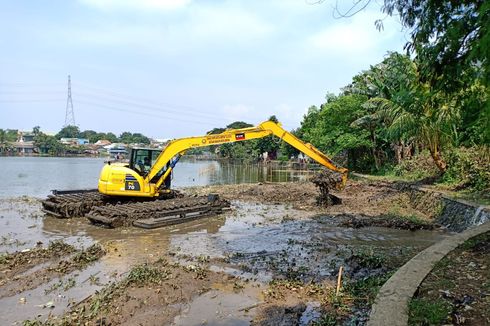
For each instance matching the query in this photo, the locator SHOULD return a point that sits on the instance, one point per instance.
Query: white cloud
(202, 27)
(237, 112)
(226, 24)
(356, 36)
(288, 115)
(162, 5)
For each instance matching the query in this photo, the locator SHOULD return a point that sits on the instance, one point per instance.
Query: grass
(475, 241)
(366, 257)
(366, 289)
(428, 312)
(89, 255)
(326, 320)
(144, 274)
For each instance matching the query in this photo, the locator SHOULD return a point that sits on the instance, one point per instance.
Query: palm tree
(428, 117)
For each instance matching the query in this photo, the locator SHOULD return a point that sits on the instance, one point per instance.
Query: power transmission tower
(70, 114)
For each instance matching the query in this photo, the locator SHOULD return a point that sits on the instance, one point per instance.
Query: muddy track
(170, 210)
(77, 203)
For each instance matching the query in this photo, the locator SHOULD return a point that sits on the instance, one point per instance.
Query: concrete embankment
(391, 305)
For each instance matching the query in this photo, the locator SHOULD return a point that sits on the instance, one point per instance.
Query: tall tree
(68, 132)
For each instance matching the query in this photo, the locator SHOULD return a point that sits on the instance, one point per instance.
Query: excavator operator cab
(142, 159)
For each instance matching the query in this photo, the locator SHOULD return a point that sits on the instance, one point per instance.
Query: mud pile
(324, 181)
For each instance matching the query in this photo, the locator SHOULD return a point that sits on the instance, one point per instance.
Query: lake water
(37, 176)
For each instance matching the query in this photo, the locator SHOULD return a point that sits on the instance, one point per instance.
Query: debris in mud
(35, 255)
(155, 290)
(326, 180)
(387, 220)
(12, 283)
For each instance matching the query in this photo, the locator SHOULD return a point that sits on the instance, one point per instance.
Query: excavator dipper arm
(177, 148)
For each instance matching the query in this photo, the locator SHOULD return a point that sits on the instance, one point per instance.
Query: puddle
(34, 303)
(256, 241)
(263, 243)
(220, 306)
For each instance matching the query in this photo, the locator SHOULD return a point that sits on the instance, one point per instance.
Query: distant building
(24, 147)
(25, 136)
(24, 144)
(116, 149)
(74, 141)
(102, 142)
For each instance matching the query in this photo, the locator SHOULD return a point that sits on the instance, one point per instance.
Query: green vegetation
(93, 136)
(145, 274)
(416, 116)
(249, 150)
(428, 312)
(364, 290)
(474, 242)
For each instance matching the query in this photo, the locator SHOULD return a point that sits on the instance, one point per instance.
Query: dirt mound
(324, 181)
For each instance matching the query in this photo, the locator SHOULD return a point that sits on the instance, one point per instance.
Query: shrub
(468, 168)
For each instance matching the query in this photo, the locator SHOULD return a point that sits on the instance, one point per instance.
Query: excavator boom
(120, 180)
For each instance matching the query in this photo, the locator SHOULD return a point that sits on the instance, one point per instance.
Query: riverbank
(274, 257)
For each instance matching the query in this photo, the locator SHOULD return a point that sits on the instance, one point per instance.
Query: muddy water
(259, 241)
(37, 176)
(269, 239)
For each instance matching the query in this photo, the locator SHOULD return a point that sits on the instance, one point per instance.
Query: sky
(176, 68)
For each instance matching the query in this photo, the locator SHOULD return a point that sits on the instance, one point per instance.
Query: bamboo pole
(339, 280)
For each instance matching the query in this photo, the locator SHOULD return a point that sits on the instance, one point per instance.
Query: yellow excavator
(138, 193)
(148, 172)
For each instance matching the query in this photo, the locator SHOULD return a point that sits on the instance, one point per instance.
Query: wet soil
(458, 287)
(150, 294)
(274, 257)
(361, 200)
(27, 270)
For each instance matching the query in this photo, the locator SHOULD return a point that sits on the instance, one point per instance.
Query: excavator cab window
(142, 159)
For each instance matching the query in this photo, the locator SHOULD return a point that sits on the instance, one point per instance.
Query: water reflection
(194, 172)
(37, 176)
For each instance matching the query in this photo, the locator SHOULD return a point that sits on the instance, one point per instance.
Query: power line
(69, 113)
(150, 107)
(140, 113)
(34, 101)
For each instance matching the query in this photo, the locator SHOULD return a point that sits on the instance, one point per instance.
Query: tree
(238, 125)
(429, 117)
(68, 132)
(110, 137)
(91, 135)
(215, 131)
(329, 128)
(447, 36)
(268, 144)
(384, 80)
(48, 144)
(36, 130)
(130, 138)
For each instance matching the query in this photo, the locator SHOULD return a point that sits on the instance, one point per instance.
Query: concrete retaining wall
(455, 214)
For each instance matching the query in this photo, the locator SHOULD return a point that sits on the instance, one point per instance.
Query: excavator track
(126, 211)
(77, 203)
(157, 213)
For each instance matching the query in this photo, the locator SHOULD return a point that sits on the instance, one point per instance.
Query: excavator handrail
(178, 147)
